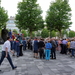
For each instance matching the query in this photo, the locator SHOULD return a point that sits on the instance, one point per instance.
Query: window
(11, 21)
(11, 25)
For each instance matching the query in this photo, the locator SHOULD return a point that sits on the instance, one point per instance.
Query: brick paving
(27, 65)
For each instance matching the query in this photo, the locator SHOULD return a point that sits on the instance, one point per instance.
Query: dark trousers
(53, 52)
(21, 53)
(24, 47)
(64, 49)
(73, 50)
(9, 59)
(41, 52)
(61, 48)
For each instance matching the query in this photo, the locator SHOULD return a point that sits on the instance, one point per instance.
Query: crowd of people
(39, 46)
(42, 48)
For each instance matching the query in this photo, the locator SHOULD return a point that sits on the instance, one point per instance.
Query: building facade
(11, 24)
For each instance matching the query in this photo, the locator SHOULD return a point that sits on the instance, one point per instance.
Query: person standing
(13, 43)
(64, 49)
(36, 48)
(48, 47)
(41, 48)
(24, 44)
(17, 47)
(5, 53)
(53, 49)
(72, 46)
(10, 33)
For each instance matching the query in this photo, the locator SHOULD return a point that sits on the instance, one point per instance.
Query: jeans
(73, 50)
(47, 54)
(9, 59)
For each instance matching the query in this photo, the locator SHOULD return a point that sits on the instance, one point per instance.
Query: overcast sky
(11, 7)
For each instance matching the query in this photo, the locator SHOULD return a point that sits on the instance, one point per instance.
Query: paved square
(27, 65)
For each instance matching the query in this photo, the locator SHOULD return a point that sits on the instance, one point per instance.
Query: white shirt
(6, 45)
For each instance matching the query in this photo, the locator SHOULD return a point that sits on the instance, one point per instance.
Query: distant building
(11, 24)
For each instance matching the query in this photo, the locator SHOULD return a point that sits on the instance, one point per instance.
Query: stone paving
(27, 65)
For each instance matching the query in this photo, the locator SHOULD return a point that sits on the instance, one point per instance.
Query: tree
(29, 16)
(71, 34)
(3, 17)
(53, 34)
(24, 33)
(38, 34)
(45, 33)
(33, 34)
(64, 32)
(15, 31)
(59, 16)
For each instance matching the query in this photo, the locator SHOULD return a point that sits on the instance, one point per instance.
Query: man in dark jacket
(41, 48)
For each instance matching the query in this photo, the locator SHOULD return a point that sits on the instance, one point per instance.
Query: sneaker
(54, 58)
(70, 55)
(13, 55)
(51, 58)
(15, 67)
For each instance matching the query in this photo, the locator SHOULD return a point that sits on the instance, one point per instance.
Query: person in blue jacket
(13, 46)
(17, 47)
(48, 47)
(10, 33)
(36, 48)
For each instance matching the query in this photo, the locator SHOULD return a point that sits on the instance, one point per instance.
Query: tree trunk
(30, 34)
(60, 35)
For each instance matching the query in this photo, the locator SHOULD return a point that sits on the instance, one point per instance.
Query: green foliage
(64, 32)
(24, 32)
(71, 34)
(15, 31)
(29, 16)
(59, 15)
(0, 32)
(45, 33)
(53, 34)
(38, 34)
(3, 17)
(33, 34)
